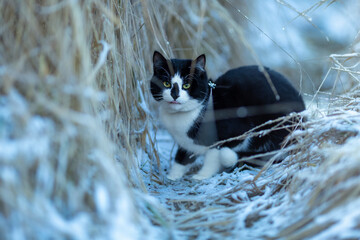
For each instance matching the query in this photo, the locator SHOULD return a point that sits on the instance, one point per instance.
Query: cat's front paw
(199, 176)
(211, 165)
(203, 174)
(177, 171)
(174, 176)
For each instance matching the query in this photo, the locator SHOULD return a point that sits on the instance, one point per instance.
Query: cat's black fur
(251, 91)
(241, 100)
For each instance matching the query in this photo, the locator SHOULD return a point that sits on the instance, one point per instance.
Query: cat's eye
(166, 84)
(186, 86)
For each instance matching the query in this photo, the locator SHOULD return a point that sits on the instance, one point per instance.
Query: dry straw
(75, 125)
(72, 77)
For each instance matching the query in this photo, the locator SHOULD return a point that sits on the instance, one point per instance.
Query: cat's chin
(174, 106)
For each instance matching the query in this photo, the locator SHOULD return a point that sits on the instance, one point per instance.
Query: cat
(198, 112)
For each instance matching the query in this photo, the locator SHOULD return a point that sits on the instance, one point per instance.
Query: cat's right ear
(200, 62)
(158, 59)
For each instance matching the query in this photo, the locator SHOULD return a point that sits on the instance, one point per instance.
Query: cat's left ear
(200, 62)
(158, 59)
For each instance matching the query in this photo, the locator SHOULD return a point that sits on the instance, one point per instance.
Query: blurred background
(299, 36)
(293, 37)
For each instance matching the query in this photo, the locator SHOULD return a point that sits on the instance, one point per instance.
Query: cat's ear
(158, 59)
(200, 62)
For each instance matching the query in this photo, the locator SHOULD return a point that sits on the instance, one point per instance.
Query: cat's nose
(175, 91)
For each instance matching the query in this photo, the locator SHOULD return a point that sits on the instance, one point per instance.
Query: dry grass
(75, 123)
(68, 69)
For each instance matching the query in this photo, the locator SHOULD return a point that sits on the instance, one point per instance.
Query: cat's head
(179, 84)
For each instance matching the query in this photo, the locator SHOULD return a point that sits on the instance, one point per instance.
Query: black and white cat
(197, 113)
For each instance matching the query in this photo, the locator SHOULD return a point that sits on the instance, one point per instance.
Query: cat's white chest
(178, 124)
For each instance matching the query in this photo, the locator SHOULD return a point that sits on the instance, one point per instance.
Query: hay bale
(61, 171)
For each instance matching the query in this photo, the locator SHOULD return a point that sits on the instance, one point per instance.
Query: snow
(102, 199)
(25, 145)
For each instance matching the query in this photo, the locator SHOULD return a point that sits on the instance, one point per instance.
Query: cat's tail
(228, 157)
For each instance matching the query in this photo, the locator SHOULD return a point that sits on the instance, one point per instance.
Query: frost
(102, 199)
(8, 174)
(42, 195)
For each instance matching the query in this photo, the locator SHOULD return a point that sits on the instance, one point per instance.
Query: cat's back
(248, 86)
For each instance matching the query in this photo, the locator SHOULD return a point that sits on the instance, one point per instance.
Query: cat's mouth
(174, 102)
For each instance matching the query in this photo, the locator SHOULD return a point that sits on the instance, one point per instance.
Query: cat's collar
(211, 84)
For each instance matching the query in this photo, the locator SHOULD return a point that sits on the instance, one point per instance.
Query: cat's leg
(181, 165)
(177, 171)
(211, 165)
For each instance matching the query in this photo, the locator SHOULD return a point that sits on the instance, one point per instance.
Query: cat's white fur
(211, 165)
(177, 171)
(228, 157)
(184, 97)
(178, 119)
(178, 124)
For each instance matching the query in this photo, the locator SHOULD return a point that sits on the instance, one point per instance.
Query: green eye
(186, 86)
(167, 84)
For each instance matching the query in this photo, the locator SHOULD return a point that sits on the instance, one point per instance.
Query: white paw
(173, 177)
(228, 157)
(199, 176)
(177, 171)
(211, 165)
